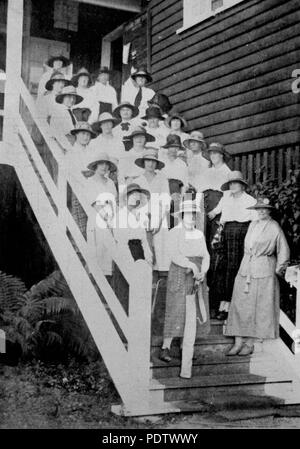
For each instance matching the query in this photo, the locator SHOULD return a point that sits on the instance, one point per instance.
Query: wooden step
(160, 369)
(206, 387)
(203, 348)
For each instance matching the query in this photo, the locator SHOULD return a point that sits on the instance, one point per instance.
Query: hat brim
(76, 131)
(225, 154)
(160, 117)
(97, 125)
(145, 75)
(175, 145)
(261, 206)
(76, 77)
(186, 143)
(93, 165)
(170, 118)
(149, 137)
(116, 112)
(140, 162)
(60, 97)
(49, 84)
(225, 186)
(140, 190)
(64, 60)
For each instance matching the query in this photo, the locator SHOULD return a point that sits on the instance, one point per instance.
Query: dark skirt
(180, 283)
(175, 186)
(234, 236)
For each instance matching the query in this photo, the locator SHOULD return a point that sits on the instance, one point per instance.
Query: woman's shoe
(222, 316)
(234, 350)
(165, 355)
(246, 350)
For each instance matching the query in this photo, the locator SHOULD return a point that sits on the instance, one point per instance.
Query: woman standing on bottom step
(254, 310)
(189, 265)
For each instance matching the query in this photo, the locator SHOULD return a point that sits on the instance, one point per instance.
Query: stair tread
(210, 339)
(218, 380)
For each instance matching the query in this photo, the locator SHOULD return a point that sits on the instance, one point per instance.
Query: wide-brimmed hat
(62, 58)
(68, 90)
(104, 117)
(140, 131)
(234, 176)
(56, 76)
(83, 126)
(101, 156)
(187, 206)
(125, 104)
(150, 154)
(179, 117)
(195, 136)
(216, 146)
(142, 71)
(153, 112)
(262, 203)
(173, 141)
(161, 101)
(134, 187)
(82, 72)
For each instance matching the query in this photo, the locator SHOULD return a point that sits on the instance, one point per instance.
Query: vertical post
(13, 68)
(298, 300)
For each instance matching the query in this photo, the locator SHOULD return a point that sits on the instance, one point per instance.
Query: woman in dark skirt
(235, 219)
(189, 265)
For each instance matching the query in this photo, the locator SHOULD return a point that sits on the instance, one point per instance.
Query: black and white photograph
(150, 217)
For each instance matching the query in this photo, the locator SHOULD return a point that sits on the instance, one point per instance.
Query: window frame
(205, 15)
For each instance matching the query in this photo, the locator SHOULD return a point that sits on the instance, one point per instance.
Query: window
(195, 11)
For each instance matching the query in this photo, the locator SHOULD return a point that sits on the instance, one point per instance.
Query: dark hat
(82, 72)
(150, 154)
(68, 90)
(179, 117)
(83, 126)
(101, 156)
(104, 117)
(162, 101)
(262, 203)
(140, 131)
(216, 146)
(153, 112)
(133, 187)
(142, 71)
(56, 76)
(125, 104)
(173, 141)
(234, 176)
(62, 58)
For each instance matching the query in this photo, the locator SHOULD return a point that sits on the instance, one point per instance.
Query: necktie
(138, 98)
(125, 126)
(72, 117)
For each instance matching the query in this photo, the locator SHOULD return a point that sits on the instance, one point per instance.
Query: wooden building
(228, 65)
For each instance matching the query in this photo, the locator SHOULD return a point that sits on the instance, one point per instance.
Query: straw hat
(173, 141)
(195, 136)
(187, 206)
(125, 104)
(216, 146)
(161, 101)
(138, 131)
(82, 72)
(142, 72)
(153, 112)
(101, 156)
(104, 117)
(68, 90)
(234, 176)
(262, 203)
(150, 154)
(56, 76)
(179, 117)
(83, 126)
(62, 58)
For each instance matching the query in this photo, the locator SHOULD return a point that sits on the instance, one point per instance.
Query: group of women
(169, 198)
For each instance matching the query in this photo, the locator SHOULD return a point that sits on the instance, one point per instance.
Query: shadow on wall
(24, 252)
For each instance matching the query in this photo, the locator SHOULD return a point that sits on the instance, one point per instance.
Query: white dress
(158, 206)
(105, 93)
(197, 170)
(215, 177)
(109, 144)
(130, 91)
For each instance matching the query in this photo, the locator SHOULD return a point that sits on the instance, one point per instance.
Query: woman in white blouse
(87, 109)
(189, 264)
(235, 217)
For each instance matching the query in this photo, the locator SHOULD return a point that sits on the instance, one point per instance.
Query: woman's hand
(211, 215)
(200, 277)
(195, 270)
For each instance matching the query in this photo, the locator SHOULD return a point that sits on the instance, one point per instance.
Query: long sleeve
(218, 209)
(206, 257)
(147, 251)
(283, 253)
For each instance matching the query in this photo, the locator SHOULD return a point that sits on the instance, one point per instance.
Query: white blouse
(216, 177)
(176, 169)
(235, 208)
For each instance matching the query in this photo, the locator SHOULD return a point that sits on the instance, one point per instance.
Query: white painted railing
(127, 361)
(292, 276)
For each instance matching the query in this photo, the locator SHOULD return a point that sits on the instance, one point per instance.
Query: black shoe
(165, 355)
(222, 316)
